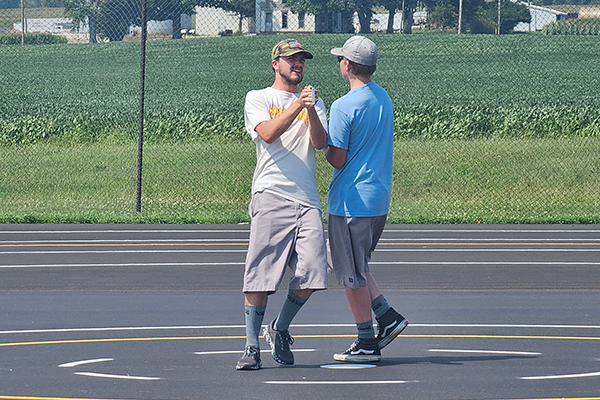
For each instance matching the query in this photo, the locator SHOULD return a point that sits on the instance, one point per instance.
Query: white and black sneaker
(361, 350)
(391, 324)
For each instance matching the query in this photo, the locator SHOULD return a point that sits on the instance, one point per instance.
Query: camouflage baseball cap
(289, 47)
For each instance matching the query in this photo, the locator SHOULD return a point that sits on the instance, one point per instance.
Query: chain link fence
(132, 110)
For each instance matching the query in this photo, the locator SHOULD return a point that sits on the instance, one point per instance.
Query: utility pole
(403, 14)
(23, 27)
(460, 6)
(498, 31)
(529, 8)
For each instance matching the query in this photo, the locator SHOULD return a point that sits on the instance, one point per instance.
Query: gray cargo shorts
(284, 234)
(352, 240)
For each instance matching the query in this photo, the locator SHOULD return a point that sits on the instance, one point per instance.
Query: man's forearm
(271, 130)
(318, 134)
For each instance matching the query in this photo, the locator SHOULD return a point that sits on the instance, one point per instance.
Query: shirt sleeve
(339, 127)
(256, 110)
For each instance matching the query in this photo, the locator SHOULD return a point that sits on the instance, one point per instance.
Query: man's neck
(358, 81)
(286, 87)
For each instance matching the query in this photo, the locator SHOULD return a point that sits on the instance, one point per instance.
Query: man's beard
(292, 80)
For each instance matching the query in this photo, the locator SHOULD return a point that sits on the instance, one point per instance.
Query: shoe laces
(250, 351)
(284, 338)
(353, 346)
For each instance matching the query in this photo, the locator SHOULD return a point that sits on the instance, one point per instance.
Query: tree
(391, 6)
(479, 16)
(443, 16)
(486, 16)
(109, 18)
(84, 11)
(365, 13)
(408, 7)
(116, 17)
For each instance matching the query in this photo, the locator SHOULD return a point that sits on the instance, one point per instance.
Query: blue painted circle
(348, 366)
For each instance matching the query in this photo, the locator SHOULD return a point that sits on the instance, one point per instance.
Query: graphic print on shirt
(275, 111)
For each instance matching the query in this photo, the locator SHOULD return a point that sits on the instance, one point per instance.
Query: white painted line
(348, 366)
(115, 241)
(241, 263)
(120, 251)
(520, 353)
(208, 353)
(335, 382)
(135, 231)
(398, 250)
(485, 240)
(416, 241)
(111, 376)
(538, 326)
(496, 230)
(471, 250)
(205, 353)
(123, 328)
(481, 263)
(387, 230)
(197, 264)
(584, 375)
(83, 362)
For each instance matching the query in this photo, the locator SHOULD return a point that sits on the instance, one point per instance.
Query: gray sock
(380, 306)
(290, 308)
(254, 320)
(365, 330)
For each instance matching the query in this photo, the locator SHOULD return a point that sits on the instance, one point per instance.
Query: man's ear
(347, 67)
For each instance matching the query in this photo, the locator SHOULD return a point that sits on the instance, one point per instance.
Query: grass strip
(501, 180)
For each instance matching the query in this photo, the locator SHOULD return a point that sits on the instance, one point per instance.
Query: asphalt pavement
(155, 312)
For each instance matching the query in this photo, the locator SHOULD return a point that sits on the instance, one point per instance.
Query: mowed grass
(452, 181)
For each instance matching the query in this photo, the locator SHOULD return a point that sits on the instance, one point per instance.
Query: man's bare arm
(336, 156)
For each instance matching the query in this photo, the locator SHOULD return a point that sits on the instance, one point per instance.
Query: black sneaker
(391, 324)
(280, 342)
(361, 350)
(250, 359)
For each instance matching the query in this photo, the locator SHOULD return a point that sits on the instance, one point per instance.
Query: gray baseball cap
(358, 49)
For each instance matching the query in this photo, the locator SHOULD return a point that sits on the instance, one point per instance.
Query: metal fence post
(138, 206)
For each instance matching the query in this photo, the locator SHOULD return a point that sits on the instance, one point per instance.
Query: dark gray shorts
(352, 240)
(284, 234)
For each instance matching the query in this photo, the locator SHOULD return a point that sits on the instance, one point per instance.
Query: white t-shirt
(287, 166)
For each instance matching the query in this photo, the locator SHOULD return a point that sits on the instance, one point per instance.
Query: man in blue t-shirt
(361, 133)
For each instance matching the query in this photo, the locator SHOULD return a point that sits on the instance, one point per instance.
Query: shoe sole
(248, 367)
(393, 335)
(359, 358)
(271, 344)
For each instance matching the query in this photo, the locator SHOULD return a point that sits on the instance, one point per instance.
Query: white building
(540, 16)
(272, 16)
(164, 27)
(275, 16)
(45, 25)
(214, 21)
(379, 22)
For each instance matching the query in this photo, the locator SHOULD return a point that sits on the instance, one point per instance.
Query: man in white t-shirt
(287, 125)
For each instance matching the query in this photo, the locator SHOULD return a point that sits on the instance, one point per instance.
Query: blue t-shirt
(362, 122)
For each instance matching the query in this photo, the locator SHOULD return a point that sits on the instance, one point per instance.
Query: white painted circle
(348, 366)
